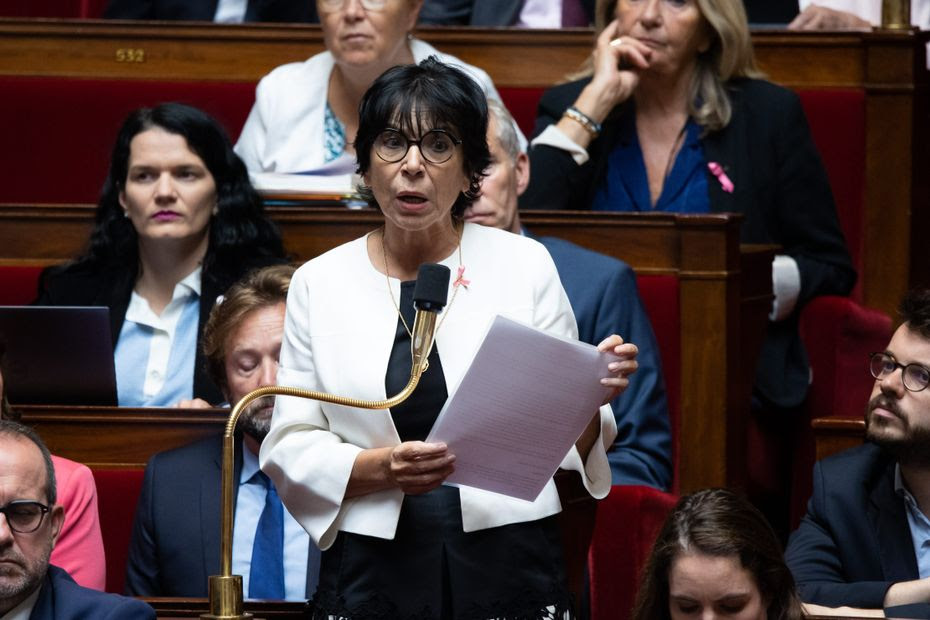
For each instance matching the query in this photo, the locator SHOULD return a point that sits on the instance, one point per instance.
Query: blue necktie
(266, 576)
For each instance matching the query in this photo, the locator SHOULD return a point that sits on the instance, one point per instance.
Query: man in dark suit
(865, 540)
(603, 294)
(214, 10)
(29, 586)
(175, 543)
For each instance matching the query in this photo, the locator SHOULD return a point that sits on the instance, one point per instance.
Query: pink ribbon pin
(460, 279)
(717, 170)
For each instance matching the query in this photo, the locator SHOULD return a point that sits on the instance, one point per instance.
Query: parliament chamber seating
(82, 108)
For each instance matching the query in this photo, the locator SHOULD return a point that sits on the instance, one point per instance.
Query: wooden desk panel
(832, 435)
(724, 299)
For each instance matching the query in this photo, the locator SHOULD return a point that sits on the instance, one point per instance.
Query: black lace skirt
(434, 570)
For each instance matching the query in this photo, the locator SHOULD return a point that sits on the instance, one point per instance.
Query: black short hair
(430, 95)
(915, 310)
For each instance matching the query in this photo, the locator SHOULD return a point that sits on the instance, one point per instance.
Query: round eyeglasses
(24, 516)
(915, 376)
(436, 145)
(337, 5)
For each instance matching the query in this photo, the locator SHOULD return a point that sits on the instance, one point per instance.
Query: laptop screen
(57, 355)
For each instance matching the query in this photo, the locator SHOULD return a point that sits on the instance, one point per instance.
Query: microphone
(429, 297)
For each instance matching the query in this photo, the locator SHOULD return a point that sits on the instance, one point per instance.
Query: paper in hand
(522, 404)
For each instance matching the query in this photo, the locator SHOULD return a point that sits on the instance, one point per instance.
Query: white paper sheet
(524, 401)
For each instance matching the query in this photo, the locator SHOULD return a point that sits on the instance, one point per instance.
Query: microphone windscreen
(432, 287)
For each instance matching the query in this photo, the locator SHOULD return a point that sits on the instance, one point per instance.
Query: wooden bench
(864, 92)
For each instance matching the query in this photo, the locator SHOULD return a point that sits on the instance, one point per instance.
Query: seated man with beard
(865, 540)
(175, 542)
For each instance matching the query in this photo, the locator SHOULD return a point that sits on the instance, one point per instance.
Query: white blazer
(284, 130)
(339, 332)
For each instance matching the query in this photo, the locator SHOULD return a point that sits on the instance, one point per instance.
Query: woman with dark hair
(176, 224)
(716, 557)
(365, 484)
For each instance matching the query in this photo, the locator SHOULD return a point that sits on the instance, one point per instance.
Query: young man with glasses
(865, 540)
(30, 522)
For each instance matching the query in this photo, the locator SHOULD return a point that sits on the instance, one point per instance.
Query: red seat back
(837, 120)
(628, 521)
(18, 284)
(53, 8)
(660, 295)
(117, 494)
(63, 129)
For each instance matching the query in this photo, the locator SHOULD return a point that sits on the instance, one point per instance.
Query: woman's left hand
(621, 369)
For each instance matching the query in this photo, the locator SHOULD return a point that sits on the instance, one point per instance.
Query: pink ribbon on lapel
(460, 279)
(717, 170)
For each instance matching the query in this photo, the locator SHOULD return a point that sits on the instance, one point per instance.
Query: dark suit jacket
(604, 298)
(175, 542)
(82, 286)
(479, 12)
(781, 188)
(62, 599)
(204, 10)
(854, 542)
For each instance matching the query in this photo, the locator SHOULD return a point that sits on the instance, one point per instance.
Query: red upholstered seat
(660, 295)
(839, 334)
(117, 494)
(63, 129)
(837, 120)
(18, 284)
(628, 521)
(53, 8)
(522, 103)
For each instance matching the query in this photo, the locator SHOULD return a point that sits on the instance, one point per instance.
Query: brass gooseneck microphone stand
(225, 589)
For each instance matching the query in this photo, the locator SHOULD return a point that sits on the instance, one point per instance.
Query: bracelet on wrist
(586, 122)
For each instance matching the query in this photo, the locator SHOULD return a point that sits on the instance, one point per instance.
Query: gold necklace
(459, 281)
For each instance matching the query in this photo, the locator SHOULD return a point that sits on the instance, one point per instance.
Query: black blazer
(854, 542)
(780, 187)
(204, 10)
(79, 285)
(480, 12)
(175, 544)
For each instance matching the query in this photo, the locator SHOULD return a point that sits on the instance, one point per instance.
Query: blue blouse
(626, 185)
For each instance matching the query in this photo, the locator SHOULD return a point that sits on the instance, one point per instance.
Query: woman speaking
(364, 483)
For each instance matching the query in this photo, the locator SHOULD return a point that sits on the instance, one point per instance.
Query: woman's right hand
(417, 467)
(618, 61)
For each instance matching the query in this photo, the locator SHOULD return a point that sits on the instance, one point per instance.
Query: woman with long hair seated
(176, 224)
(365, 484)
(716, 557)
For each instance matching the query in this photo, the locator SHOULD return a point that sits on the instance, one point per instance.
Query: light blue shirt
(250, 502)
(155, 354)
(919, 525)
